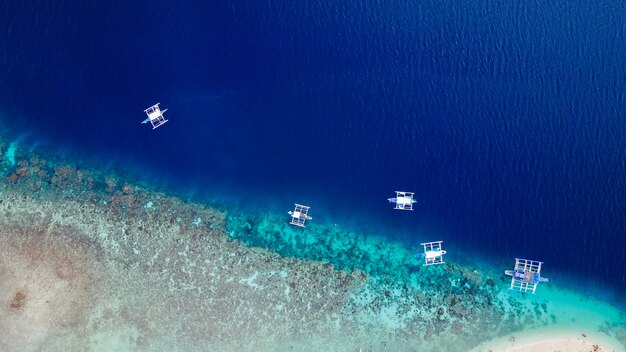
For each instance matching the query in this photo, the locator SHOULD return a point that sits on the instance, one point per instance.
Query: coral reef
(91, 261)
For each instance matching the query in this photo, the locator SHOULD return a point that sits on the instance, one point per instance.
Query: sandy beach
(553, 345)
(552, 339)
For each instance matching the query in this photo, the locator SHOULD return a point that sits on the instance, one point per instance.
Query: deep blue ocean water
(507, 119)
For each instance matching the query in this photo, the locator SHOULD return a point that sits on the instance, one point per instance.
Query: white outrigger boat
(155, 116)
(403, 200)
(526, 275)
(433, 253)
(299, 215)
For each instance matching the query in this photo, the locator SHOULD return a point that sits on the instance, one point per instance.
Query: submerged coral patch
(18, 300)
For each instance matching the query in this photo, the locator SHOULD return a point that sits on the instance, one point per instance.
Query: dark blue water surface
(506, 118)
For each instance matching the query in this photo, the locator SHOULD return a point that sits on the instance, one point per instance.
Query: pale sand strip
(559, 345)
(538, 341)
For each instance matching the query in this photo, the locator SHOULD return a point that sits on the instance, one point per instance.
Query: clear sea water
(506, 118)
